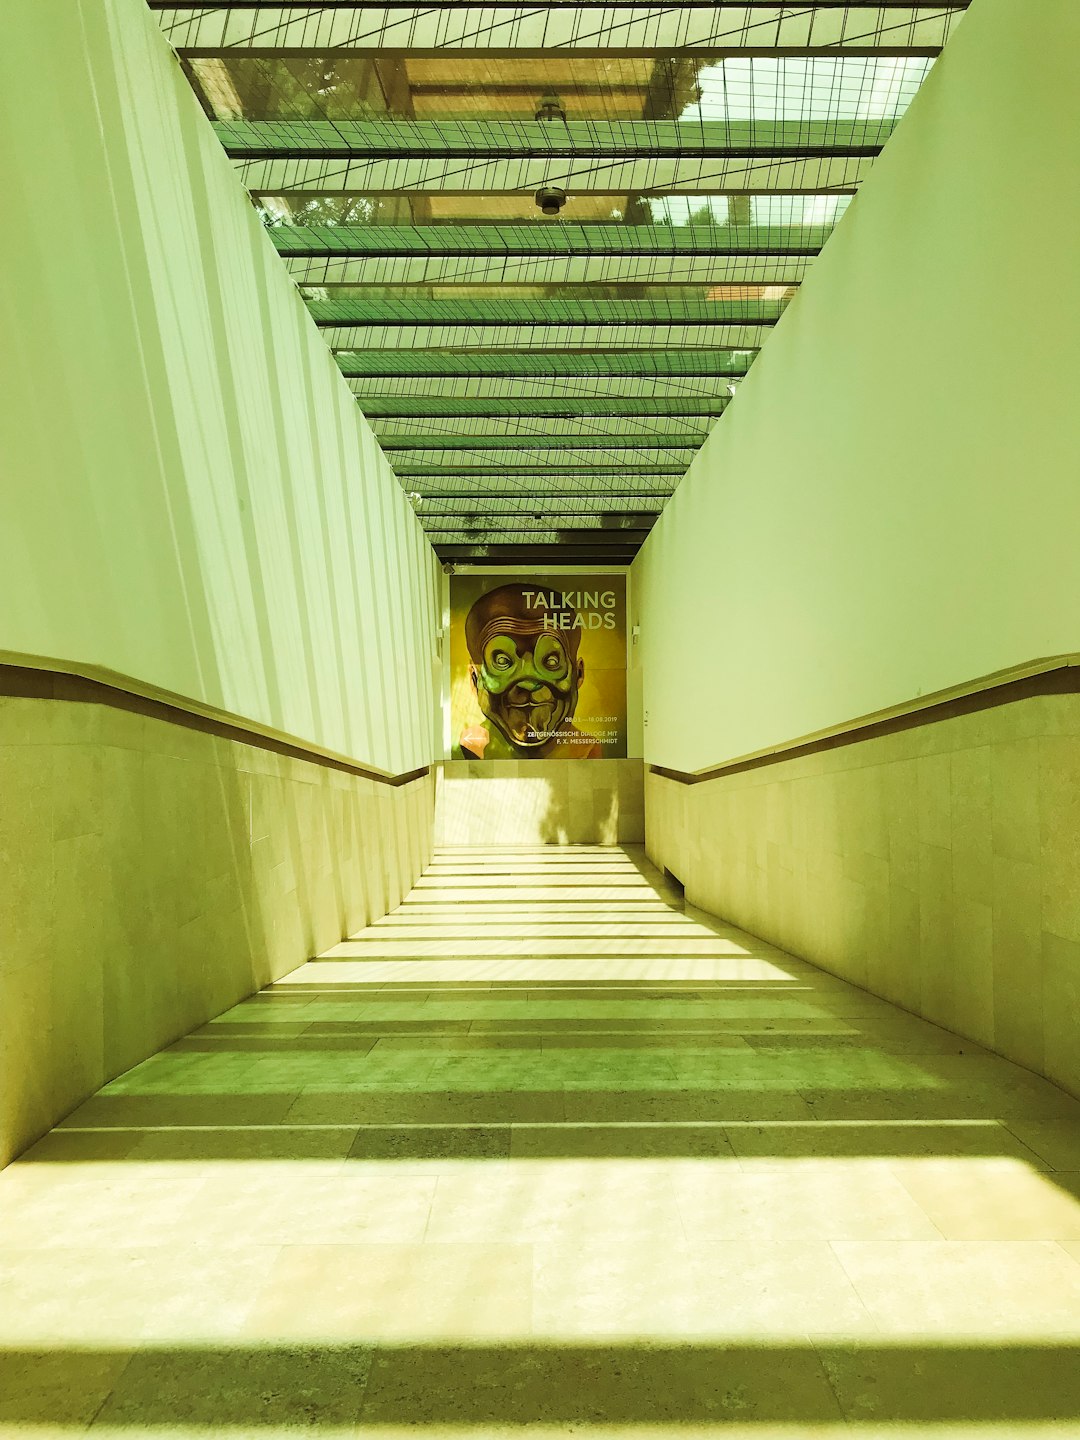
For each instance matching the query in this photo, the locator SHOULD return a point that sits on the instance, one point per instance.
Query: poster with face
(538, 667)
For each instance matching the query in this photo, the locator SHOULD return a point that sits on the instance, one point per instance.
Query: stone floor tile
(629, 1173)
(357, 1293)
(769, 1291)
(992, 1290)
(561, 1389)
(836, 1199)
(1000, 1199)
(107, 1296)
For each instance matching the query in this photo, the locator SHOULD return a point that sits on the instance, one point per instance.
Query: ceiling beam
(548, 528)
(520, 177)
(547, 364)
(375, 310)
(314, 7)
(575, 440)
(316, 177)
(546, 495)
(393, 407)
(564, 239)
(444, 339)
(508, 27)
(595, 390)
(780, 272)
(474, 140)
(584, 470)
(530, 140)
(565, 552)
(604, 519)
(469, 432)
(548, 254)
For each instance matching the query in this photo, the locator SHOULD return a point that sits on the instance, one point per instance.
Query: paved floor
(542, 1154)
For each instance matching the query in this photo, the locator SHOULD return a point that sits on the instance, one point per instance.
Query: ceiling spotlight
(551, 199)
(550, 107)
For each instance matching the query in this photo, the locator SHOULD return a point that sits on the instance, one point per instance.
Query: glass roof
(591, 87)
(530, 355)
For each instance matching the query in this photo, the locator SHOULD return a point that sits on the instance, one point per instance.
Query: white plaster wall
(190, 495)
(891, 504)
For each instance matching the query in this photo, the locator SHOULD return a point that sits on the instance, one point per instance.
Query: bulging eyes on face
(501, 659)
(529, 693)
(550, 659)
(504, 663)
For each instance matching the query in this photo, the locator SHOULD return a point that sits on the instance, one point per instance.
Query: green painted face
(527, 686)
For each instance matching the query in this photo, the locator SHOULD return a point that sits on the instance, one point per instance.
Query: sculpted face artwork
(525, 669)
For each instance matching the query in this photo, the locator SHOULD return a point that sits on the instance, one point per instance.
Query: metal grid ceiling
(541, 381)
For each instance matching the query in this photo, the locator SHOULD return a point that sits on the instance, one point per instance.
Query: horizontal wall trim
(1057, 675)
(33, 678)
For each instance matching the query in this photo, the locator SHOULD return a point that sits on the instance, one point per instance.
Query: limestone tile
(972, 990)
(901, 799)
(865, 868)
(106, 1205)
(81, 939)
(769, 1290)
(47, 1387)
(172, 799)
(556, 1200)
(298, 1205)
(1061, 1010)
(1025, 719)
(358, 1293)
(242, 1391)
(36, 1086)
(936, 922)
(76, 783)
(993, 1199)
(1015, 786)
(972, 840)
(683, 1104)
(829, 1199)
(25, 721)
(1056, 1141)
(72, 1146)
(139, 1113)
(876, 1138)
(200, 1151)
(109, 1296)
(1018, 978)
(935, 800)
(440, 1147)
(62, 723)
(631, 1140)
(27, 899)
(1059, 714)
(962, 1389)
(901, 964)
(994, 1083)
(1059, 809)
(556, 1390)
(866, 813)
(992, 1291)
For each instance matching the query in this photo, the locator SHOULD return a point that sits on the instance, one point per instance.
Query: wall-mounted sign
(538, 667)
